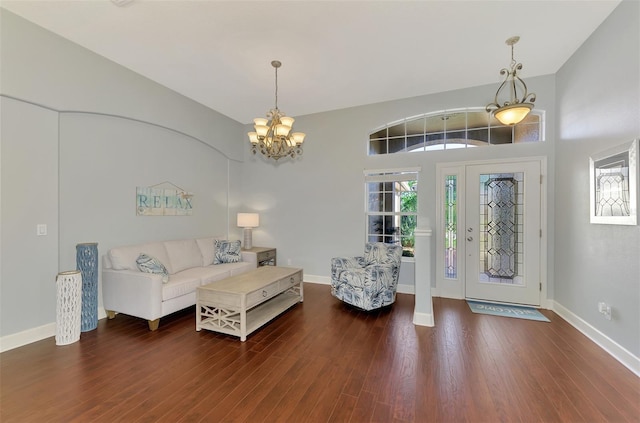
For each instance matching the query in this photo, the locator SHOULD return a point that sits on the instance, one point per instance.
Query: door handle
(470, 238)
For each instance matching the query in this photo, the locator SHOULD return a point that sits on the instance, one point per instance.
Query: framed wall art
(614, 185)
(165, 199)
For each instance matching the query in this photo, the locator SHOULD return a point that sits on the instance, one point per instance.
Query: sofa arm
(131, 292)
(250, 257)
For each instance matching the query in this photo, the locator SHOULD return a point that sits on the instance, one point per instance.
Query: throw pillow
(150, 264)
(227, 251)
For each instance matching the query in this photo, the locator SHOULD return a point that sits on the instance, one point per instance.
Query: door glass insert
(501, 228)
(450, 226)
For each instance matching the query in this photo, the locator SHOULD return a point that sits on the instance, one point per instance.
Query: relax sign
(152, 201)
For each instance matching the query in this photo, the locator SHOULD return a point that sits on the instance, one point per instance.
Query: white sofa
(189, 262)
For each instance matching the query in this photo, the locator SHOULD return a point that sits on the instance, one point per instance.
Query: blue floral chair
(367, 282)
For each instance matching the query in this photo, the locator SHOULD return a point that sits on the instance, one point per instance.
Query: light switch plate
(41, 229)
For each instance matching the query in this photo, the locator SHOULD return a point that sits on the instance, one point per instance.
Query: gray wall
(598, 97)
(312, 209)
(79, 134)
(29, 196)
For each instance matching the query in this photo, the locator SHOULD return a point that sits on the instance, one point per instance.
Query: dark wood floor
(323, 361)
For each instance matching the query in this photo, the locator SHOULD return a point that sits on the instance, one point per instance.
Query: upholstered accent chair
(367, 282)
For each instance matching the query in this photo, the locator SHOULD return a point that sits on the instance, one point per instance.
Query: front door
(502, 233)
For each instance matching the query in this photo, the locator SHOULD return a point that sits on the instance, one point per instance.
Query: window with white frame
(392, 207)
(453, 129)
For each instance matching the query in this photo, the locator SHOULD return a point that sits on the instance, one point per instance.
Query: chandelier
(272, 135)
(519, 102)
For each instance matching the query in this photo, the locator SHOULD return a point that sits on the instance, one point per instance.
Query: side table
(266, 255)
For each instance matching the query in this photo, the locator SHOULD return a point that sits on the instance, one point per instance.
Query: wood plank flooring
(323, 361)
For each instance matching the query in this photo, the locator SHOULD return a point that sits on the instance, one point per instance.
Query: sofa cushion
(237, 268)
(150, 264)
(181, 283)
(124, 258)
(227, 252)
(207, 249)
(183, 254)
(208, 274)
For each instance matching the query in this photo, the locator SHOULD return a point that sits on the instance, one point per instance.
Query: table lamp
(248, 221)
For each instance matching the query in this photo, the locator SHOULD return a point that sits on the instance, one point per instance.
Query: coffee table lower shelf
(231, 322)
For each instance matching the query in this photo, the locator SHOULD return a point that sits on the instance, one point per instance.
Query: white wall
(79, 134)
(598, 108)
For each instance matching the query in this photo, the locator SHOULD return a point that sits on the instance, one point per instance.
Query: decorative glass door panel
(500, 249)
(503, 232)
(450, 227)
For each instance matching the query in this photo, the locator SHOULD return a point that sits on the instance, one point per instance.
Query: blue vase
(87, 263)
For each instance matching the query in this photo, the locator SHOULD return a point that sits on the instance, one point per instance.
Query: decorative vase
(87, 263)
(68, 307)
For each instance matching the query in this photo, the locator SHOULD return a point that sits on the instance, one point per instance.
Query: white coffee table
(241, 304)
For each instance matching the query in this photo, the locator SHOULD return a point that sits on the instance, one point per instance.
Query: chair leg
(153, 324)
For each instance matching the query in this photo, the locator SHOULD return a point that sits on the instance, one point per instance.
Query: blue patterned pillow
(150, 264)
(226, 251)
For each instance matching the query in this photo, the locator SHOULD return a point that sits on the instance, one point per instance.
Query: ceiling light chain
(276, 64)
(272, 137)
(515, 109)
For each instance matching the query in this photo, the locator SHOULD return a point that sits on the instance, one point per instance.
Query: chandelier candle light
(516, 108)
(272, 135)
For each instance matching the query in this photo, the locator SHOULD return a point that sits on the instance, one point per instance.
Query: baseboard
(16, 340)
(406, 289)
(28, 336)
(423, 319)
(322, 280)
(624, 356)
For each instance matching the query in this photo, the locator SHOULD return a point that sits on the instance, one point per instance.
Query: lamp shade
(261, 130)
(513, 114)
(298, 137)
(248, 220)
(282, 130)
(286, 120)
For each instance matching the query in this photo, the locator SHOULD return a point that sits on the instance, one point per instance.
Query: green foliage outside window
(408, 223)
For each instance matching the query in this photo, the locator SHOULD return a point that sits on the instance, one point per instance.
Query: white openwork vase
(68, 307)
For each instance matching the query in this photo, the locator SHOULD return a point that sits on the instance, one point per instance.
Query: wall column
(423, 312)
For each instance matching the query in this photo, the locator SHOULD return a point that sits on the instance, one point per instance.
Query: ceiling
(334, 54)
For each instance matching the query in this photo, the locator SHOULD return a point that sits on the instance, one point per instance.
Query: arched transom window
(450, 129)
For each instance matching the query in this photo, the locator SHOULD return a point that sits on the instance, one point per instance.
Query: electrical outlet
(604, 309)
(601, 307)
(607, 312)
